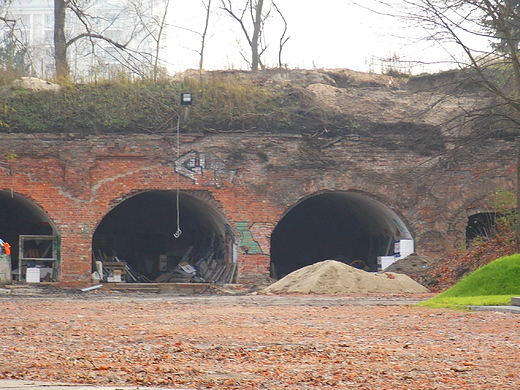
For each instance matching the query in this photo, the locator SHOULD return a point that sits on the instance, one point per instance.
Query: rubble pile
(334, 277)
(410, 264)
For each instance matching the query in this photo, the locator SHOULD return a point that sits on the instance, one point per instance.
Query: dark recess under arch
(140, 231)
(346, 226)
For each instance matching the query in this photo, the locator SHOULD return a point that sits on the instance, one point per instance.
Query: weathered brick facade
(252, 179)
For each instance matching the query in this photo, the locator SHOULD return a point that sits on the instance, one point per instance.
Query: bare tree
(153, 24)
(83, 24)
(91, 32)
(13, 50)
(283, 37)
(462, 26)
(257, 19)
(204, 34)
(4, 15)
(258, 24)
(60, 42)
(207, 4)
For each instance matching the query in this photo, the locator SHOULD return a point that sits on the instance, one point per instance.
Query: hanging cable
(178, 232)
(184, 111)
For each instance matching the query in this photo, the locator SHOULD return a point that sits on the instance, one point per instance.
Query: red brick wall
(253, 180)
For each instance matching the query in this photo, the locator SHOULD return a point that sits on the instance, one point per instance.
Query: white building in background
(89, 58)
(34, 27)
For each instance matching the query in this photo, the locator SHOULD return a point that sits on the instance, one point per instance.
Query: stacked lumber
(111, 266)
(204, 268)
(219, 273)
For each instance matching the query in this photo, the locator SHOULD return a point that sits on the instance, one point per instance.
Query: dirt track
(272, 342)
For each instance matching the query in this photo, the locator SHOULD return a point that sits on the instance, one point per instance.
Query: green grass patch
(221, 104)
(462, 302)
(494, 284)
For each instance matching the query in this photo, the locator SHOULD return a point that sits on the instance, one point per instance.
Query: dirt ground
(256, 341)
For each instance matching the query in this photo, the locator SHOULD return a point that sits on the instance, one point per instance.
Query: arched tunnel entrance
(481, 225)
(346, 226)
(31, 233)
(135, 241)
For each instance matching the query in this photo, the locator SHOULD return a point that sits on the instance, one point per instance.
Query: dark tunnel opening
(22, 221)
(140, 232)
(346, 226)
(481, 225)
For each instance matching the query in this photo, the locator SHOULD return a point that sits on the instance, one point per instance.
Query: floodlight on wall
(186, 98)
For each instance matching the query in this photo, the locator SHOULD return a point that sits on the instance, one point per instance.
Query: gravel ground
(256, 341)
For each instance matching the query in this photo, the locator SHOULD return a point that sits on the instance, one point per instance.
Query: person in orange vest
(6, 247)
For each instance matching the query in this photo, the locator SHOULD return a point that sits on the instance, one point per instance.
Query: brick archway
(20, 216)
(143, 231)
(343, 225)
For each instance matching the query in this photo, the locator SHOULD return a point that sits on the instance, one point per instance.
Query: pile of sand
(334, 277)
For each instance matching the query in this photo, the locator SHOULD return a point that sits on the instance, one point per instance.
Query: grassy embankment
(493, 284)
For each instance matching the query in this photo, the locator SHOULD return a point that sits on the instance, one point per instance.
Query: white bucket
(33, 275)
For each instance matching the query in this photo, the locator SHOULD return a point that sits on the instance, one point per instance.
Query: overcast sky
(323, 34)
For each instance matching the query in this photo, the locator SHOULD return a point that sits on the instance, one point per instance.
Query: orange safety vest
(7, 248)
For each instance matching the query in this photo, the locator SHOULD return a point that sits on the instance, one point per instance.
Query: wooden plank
(231, 276)
(166, 276)
(218, 273)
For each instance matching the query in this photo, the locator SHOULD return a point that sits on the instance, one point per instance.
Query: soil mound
(410, 264)
(334, 277)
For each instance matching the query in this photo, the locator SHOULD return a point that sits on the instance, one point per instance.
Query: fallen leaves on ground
(154, 341)
(446, 272)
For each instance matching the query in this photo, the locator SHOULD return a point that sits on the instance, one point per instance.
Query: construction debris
(410, 264)
(91, 288)
(208, 267)
(113, 270)
(334, 277)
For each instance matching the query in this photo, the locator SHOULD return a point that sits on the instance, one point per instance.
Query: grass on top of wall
(221, 104)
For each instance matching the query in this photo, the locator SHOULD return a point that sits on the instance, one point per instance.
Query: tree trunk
(256, 36)
(203, 39)
(60, 43)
